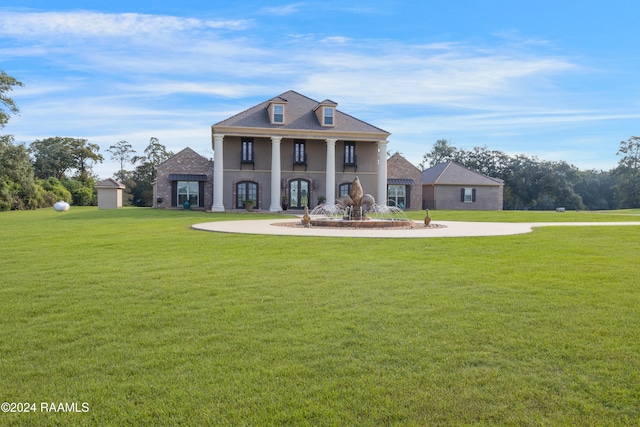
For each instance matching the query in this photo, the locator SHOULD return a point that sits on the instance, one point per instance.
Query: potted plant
(249, 204)
(285, 203)
(321, 200)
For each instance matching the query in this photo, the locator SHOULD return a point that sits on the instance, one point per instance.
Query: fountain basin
(367, 223)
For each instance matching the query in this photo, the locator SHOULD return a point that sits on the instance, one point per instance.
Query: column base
(217, 208)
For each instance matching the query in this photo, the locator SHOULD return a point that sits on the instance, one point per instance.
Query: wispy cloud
(282, 10)
(114, 75)
(93, 24)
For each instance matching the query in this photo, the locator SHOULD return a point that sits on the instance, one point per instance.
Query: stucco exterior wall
(109, 198)
(316, 149)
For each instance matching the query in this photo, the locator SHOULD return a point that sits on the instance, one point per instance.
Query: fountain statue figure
(358, 209)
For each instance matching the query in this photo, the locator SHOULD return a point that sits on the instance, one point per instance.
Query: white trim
(330, 179)
(382, 173)
(275, 174)
(218, 173)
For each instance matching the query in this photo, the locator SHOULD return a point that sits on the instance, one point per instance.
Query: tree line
(61, 168)
(531, 183)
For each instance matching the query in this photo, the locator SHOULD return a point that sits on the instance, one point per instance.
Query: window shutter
(462, 195)
(201, 194)
(407, 199)
(473, 195)
(174, 194)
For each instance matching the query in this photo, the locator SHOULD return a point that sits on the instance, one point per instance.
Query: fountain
(358, 210)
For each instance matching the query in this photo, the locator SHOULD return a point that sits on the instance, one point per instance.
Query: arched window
(246, 190)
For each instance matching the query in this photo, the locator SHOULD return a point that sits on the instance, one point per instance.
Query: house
(186, 176)
(404, 183)
(109, 194)
(294, 148)
(452, 186)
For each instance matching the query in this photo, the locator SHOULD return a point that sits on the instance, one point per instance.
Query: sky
(554, 79)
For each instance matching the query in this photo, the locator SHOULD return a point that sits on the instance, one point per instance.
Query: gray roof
(400, 181)
(451, 173)
(299, 115)
(109, 183)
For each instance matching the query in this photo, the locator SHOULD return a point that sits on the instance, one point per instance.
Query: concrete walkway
(450, 229)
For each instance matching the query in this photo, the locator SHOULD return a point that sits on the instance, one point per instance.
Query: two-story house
(296, 149)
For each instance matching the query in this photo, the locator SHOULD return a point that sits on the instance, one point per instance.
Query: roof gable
(185, 152)
(398, 160)
(300, 115)
(109, 183)
(451, 173)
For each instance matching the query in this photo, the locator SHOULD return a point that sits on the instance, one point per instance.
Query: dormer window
(328, 116)
(276, 111)
(326, 113)
(278, 114)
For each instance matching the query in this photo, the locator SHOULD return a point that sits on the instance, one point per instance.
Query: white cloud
(132, 76)
(94, 24)
(282, 10)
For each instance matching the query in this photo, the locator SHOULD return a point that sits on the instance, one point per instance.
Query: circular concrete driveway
(448, 229)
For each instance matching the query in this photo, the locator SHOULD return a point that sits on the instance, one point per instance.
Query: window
(349, 153)
(344, 189)
(468, 195)
(246, 190)
(278, 114)
(247, 150)
(397, 196)
(299, 152)
(328, 116)
(188, 191)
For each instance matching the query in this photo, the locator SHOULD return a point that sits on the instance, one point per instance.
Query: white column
(381, 198)
(275, 174)
(218, 173)
(330, 179)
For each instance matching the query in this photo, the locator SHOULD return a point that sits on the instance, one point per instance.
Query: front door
(298, 193)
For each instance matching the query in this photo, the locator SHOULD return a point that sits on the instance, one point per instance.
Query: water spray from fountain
(358, 210)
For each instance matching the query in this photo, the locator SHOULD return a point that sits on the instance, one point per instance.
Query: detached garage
(451, 186)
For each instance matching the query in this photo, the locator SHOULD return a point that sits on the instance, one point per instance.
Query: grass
(152, 323)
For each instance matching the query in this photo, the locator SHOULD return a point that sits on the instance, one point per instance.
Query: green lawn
(152, 323)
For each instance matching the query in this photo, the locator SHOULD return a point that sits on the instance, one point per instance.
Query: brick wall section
(186, 161)
(400, 168)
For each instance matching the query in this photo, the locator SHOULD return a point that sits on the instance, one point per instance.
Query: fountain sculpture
(358, 210)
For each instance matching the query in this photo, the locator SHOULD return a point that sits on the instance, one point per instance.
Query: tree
(145, 173)
(53, 157)
(596, 189)
(442, 151)
(121, 152)
(18, 188)
(155, 153)
(7, 105)
(83, 155)
(480, 159)
(627, 188)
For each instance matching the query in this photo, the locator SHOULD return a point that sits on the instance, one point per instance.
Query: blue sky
(554, 79)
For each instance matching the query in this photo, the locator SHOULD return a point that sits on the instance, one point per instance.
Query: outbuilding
(109, 194)
(452, 186)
